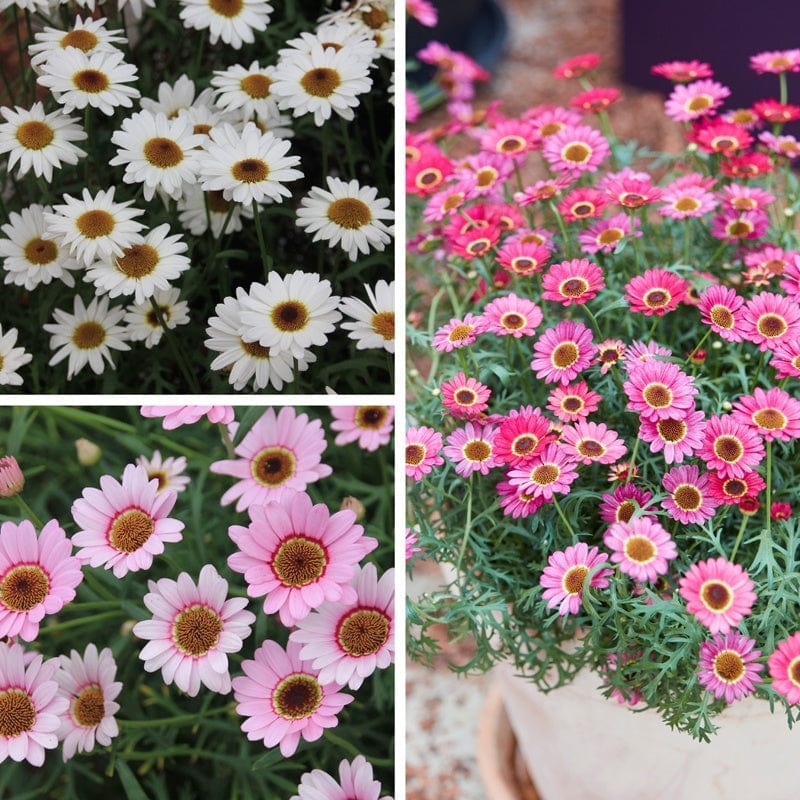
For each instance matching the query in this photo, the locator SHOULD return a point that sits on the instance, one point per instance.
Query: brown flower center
(687, 204)
(573, 287)
(321, 82)
(196, 630)
(88, 335)
(88, 708)
(590, 448)
(273, 466)
(465, 397)
(722, 317)
(95, 223)
(576, 153)
(625, 511)
(350, 213)
(477, 450)
(573, 579)
(728, 448)
(415, 454)
(91, 81)
(428, 177)
(545, 474)
(734, 487)
(297, 697)
(130, 530)
(17, 713)
(524, 444)
(700, 102)
(640, 549)
(582, 209)
(460, 332)
(383, 325)
(41, 251)
(289, 316)
(739, 228)
(716, 596)
(565, 355)
(512, 321)
(80, 38)
(254, 349)
(299, 561)
(256, 85)
(227, 8)
(657, 395)
(162, 152)
(771, 419)
(24, 587)
(217, 202)
(34, 135)
(687, 497)
(572, 404)
(610, 236)
(771, 325)
(371, 417)
(138, 260)
(671, 430)
(363, 632)
(729, 666)
(511, 144)
(656, 298)
(250, 170)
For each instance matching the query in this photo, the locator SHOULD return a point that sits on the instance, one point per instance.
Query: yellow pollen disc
(640, 549)
(299, 561)
(415, 454)
(17, 713)
(565, 355)
(374, 17)
(728, 448)
(290, 316)
(590, 448)
(80, 38)
(459, 333)
(138, 261)
(610, 236)
(511, 144)
(227, 8)
(700, 102)
(24, 587)
(371, 417)
(254, 349)
(196, 630)
(152, 317)
(162, 152)
(739, 228)
(217, 202)
(657, 395)
(716, 596)
(363, 632)
(743, 203)
(671, 430)
(321, 82)
(721, 317)
(545, 474)
(383, 324)
(130, 530)
(453, 201)
(96, 223)
(550, 128)
(486, 177)
(573, 287)
(250, 170)
(350, 213)
(88, 335)
(771, 419)
(273, 466)
(576, 153)
(297, 697)
(572, 582)
(771, 325)
(687, 204)
(91, 81)
(729, 666)
(656, 298)
(201, 129)
(687, 497)
(477, 450)
(40, 251)
(793, 671)
(34, 135)
(256, 85)
(88, 708)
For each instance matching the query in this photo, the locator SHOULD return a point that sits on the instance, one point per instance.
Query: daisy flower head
(99, 79)
(677, 437)
(577, 66)
(694, 100)
(642, 547)
(772, 110)
(423, 445)
(768, 319)
(247, 166)
(124, 524)
(786, 359)
(142, 320)
(246, 89)
(196, 208)
(780, 511)
(11, 358)
(683, 71)
(517, 503)
(784, 668)
(369, 426)
(471, 449)
(347, 215)
(731, 448)
(791, 278)
(510, 138)
(596, 99)
(592, 442)
(659, 390)
(733, 490)
(622, 503)
(718, 592)
(749, 165)
(522, 258)
(175, 98)
(684, 202)
(12, 480)
(609, 353)
(573, 402)
(727, 666)
(175, 416)
(283, 699)
(689, 500)
(576, 281)
(714, 136)
(776, 61)
(87, 335)
(193, 628)
(561, 353)
(371, 326)
(551, 471)
(232, 21)
(606, 235)
(88, 35)
(639, 352)
(575, 150)
(465, 397)
(657, 291)
(629, 191)
(32, 707)
(737, 226)
(584, 203)
(545, 189)
(38, 576)
(563, 579)
(774, 413)
(459, 333)
(87, 682)
(784, 145)
(521, 435)
(511, 315)
(355, 777)
(719, 309)
(167, 471)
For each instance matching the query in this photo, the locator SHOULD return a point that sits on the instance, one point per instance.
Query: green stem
(758, 371)
(714, 256)
(563, 517)
(179, 719)
(28, 512)
(76, 623)
(266, 261)
(562, 227)
(187, 373)
(198, 55)
(652, 329)
(687, 231)
(218, 240)
(738, 537)
(768, 504)
(699, 345)
(20, 51)
(593, 319)
(784, 93)
(226, 440)
(633, 460)
(467, 524)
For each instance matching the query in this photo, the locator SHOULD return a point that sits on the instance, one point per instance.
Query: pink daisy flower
(12, 480)
(297, 555)
(774, 111)
(689, 499)
(561, 353)
(719, 593)
(192, 630)
(422, 451)
(677, 437)
(732, 490)
(584, 203)
(523, 258)
(639, 352)
(784, 668)
(458, 333)
(730, 448)
(683, 202)
(575, 281)
(786, 359)
(749, 165)
(631, 192)
(609, 352)
(167, 471)
(511, 138)
(280, 454)
(369, 426)
(355, 783)
(776, 61)
(577, 66)
(713, 135)
(175, 416)
(564, 576)
(87, 682)
(622, 503)
(605, 235)
(746, 198)
(719, 308)
(550, 119)
(657, 291)
(441, 204)
(31, 707)
(682, 71)
(783, 145)
(774, 414)
(641, 547)
(694, 100)
(471, 449)
(596, 99)
(521, 435)
(573, 402)
(411, 544)
(545, 189)
(512, 316)
(780, 511)
(516, 503)
(575, 150)
(347, 642)
(283, 699)
(736, 226)
(38, 576)
(727, 666)
(123, 525)
(659, 390)
(769, 319)
(791, 279)
(550, 472)
(465, 397)
(592, 442)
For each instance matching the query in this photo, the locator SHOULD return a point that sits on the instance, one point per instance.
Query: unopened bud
(726, 405)
(789, 212)
(88, 452)
(354, 505)
(11, 478)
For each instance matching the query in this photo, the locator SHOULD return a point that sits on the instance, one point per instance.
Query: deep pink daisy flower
(575, 281)
(597, 99)
(193, 628)
(347, 642)
(573, 402)
(87, 682)
(123, 525)
(720, 594)
(677, 437)
(561, 353)
(355, 783)
(38, 576)
(786, 359)
(780, 511)
(458, 333)
(369, 426)
(749, 165)
(684, 202)
(592, 442)
(695, 100)
(720, 309)
(609, 353)
(575, 150)
(730, 448)
(689, 499)
(516, 503)
(622, 503)
(727, 666)
(657, 291)
(299, 555)
(465, 397)
(659, 390)
(521, 435)
(774, 414)
(281, 453)
(471, 449)
(564, 576)
(605, 235)
(576, 66)
(512, 316)
(732, 490)
(422, 451)
(550, 472)
(776, 61)
(683, 71)
(631, 192)
(31, 706)
(641, 547)
(175, 416)
(713, 135)
(522, 258)
(584, 203)
(283, 699)
(770, 319)
(784, 668)
(774, 111)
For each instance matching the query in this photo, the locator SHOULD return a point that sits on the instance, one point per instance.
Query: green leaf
(133, 789)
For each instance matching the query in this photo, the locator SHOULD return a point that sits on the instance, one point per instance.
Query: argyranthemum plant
(148, 635)
(170, 163)
(603, 433)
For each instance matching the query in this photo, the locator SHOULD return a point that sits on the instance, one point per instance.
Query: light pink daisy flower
(583, 203)
(38, 576)
(727, 666)
(642, 548)
(280, 454)
(573, 402)
(471, 449)
(736, 226)
(411, 544)
(776, 61)
(678, 437)
(782, 145)
(422, 451)
(770, 319)
(689, 499)
(297, 555)
(459, 333)
(355, 782)
(550, 472)
(791, 279)
(576, 281)
(369, 426)
(730, 448)
(746, 198)
(719, 308)
(31, 706)
(719, 593)
(87, 682)
(465, 397)
(192, 630)
(521, 435)
(511, 138)
(684, 202)
(561, 353)
(575, 150)
(565, 574)
(592, 442)
(516, 503)
(12, 480)
(622, 503)
(786, 359)
(605, 235)
(167, 471)
(694, 100)
(659, 390)
(683, 71)
(657, 291)
(123, 525)
(774, 414)
(784, 668)
(175, 416)
(770, 260)
(347, 642)
(512, 316)
(283, 699)
(549, 119)
(639, 352)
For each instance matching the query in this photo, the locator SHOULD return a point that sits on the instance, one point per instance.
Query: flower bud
(11, 478)
(354, 505)
(88, 452)
(726, 405)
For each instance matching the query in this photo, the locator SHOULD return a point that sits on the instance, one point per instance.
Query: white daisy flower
(94, 227)
(374, 323)
(98, 80)
(167, 471)
(137, 7)
(11, 358)
(202, 118)
(279, 125)
(143, 267)
(233, 21)
(142, 319)
(246, 89)
(158, 152)
(338, 35)
(247, 166)
(194, 217)
(42, 6)
(292, 313)
(86, 336)
(31, 257)
(384, 42)
(373, 16)
(39, 141)
(89, 35)
(348, 215)
(267, 366)
(176, 97)
(321, 82)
